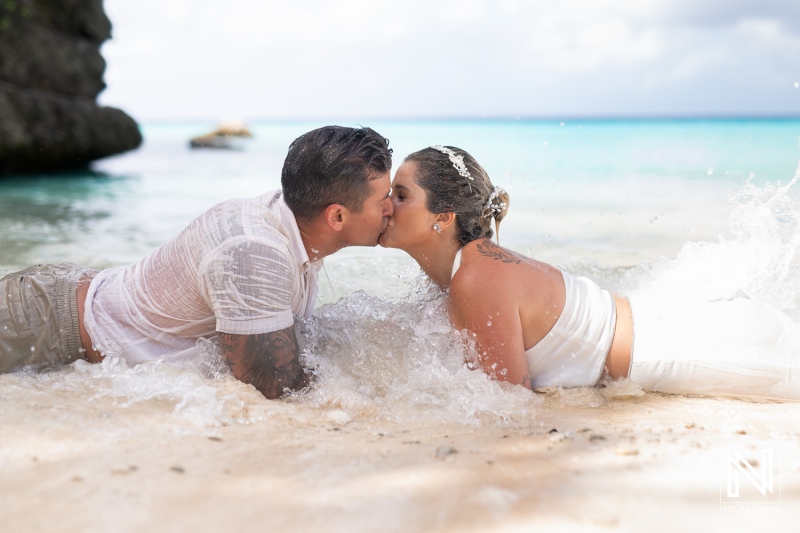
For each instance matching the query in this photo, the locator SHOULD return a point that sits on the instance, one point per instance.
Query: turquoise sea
(616, 192)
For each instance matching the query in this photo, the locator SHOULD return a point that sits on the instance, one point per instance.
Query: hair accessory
(494, 206)
(458, 162)
(437, 228)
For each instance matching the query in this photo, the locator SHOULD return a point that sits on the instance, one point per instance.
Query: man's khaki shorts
(39, 316)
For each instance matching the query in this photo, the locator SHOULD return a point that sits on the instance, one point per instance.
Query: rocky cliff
(51, 72)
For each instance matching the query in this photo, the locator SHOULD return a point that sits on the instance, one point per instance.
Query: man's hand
(268, 361)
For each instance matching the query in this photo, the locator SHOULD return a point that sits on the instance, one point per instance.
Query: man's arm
(268, 361)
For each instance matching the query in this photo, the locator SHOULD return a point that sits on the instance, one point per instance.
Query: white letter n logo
(739, 466)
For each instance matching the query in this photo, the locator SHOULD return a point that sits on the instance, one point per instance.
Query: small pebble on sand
(627, 450)
(443, 452)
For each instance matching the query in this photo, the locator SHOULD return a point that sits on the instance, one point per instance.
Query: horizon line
(501, 118)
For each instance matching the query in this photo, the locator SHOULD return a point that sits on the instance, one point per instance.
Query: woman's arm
(489, 313)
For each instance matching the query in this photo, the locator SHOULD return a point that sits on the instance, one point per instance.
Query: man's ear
(335, 215)
(445, 219)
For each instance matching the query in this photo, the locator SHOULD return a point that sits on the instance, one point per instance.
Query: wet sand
(585, 461)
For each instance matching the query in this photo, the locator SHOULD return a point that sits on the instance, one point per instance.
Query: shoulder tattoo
(489, 249)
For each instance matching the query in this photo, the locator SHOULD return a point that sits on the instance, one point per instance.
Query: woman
(536, 325)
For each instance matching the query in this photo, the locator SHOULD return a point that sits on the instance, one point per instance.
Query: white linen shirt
(239, 268)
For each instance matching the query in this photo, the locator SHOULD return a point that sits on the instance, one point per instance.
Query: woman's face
(412, 223)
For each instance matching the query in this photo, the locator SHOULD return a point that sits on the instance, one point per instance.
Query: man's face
(365, 228)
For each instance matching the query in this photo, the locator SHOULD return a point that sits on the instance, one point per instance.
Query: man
(242, 271)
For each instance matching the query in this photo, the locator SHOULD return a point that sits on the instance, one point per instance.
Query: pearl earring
(437, 228)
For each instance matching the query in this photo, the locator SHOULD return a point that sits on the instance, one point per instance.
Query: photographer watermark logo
(750, 480)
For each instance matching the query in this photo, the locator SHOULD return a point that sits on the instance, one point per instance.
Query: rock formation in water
(223, 137)
(51, 72)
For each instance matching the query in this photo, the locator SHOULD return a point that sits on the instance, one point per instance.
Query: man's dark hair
(333, 165)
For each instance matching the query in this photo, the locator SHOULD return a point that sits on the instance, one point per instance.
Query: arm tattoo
(268, 361)
(489, 249)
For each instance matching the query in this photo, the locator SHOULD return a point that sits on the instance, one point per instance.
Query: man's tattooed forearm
(268, 361)
(272, 362)
(489, 249)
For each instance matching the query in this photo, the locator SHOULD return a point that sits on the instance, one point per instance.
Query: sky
(312, 59)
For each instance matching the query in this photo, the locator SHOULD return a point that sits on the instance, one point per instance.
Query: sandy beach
(652, 147)
(605, 459)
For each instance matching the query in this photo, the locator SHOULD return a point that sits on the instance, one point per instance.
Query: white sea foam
(185, 394)
(756, 258)
(401, 360)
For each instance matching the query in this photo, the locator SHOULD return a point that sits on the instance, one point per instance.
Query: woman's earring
(437, 228)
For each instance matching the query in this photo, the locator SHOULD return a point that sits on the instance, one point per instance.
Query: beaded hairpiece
(458, 162)
(492, 207)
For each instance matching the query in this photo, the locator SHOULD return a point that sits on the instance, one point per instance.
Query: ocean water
(675, 207)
